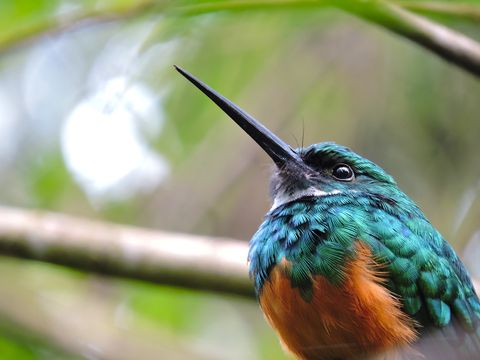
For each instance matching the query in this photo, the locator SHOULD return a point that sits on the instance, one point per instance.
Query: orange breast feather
(358, 318)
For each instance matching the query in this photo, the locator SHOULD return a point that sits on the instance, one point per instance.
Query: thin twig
(249, 5)
(55, 25)
(160, 257)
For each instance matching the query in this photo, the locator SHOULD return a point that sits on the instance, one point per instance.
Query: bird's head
(318, 170)
(326, 169)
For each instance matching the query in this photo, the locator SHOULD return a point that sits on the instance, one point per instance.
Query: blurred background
(94, 122)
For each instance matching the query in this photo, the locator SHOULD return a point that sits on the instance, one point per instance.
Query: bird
(345, 265)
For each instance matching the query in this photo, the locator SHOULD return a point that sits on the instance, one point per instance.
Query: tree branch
(452, 46)
(55, 25)
(160, 257)
(198, 262)
(465, 11)
(449, 44)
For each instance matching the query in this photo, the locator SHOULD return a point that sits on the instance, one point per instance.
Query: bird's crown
(327, 156)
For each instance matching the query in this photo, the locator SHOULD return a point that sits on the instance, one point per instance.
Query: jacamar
(346, 266)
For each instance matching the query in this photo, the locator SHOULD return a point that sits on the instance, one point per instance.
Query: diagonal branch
(449, 44)
(452, 46)
(10, 40)
(465, 11)
(160, 257)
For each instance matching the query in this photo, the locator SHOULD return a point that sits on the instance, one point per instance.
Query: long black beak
(277, 149)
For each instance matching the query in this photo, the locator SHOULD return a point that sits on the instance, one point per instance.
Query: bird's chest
(348, 321)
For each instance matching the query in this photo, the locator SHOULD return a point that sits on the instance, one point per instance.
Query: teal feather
(317, 235)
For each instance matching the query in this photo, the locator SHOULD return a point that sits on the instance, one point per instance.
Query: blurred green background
(96, 123)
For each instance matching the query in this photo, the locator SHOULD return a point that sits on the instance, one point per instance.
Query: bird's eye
(343, 172)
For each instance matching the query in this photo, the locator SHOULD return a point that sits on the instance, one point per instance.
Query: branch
(449, 44)
(466, 11)
(452, 46)
(192, 261)
(160, 257)
(55, 25)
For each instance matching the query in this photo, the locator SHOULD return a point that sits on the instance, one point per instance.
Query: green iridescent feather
(317, 235)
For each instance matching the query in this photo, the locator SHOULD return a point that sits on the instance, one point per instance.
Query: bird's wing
(432, 283)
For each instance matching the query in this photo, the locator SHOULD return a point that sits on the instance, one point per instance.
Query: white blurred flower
(103, 146)
(9, 128)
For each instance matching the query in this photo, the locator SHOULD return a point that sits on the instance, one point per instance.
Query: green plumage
(326, 199)
(317, 235)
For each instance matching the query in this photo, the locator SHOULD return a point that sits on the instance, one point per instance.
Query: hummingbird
(346, 266)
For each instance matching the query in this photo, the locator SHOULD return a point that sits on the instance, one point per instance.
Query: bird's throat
(285, 197)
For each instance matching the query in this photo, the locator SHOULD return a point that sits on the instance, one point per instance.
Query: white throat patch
(283, 198)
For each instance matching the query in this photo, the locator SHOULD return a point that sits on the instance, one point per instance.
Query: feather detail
(360, 317)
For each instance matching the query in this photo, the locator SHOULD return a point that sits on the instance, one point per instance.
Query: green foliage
(10, 349)
(50, 180)
(16, 344)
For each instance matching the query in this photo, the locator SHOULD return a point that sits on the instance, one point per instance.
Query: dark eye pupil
(342, 172)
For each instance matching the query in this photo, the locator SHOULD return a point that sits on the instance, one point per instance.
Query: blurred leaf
(17, 344)
(49, 179)
(10, 350)
(23, 15)
(171, 307)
